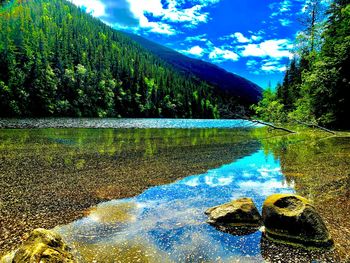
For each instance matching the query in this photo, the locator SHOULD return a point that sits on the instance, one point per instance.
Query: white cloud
(207, 2)
(220, 55)
(161, 28)
(256, 38)
(94, 7)
(135, 14)
(192, 15)
(251, 64)
(199, 38)
(280, 8)
(275, 48)
(196, 51)
(241, 38)
(285, 6)
(273, 66)
(173, 13)
(285, 21)
(238, 37)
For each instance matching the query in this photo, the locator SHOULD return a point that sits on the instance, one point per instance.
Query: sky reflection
(167, 223)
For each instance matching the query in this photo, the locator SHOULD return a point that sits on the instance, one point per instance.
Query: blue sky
(252, 38)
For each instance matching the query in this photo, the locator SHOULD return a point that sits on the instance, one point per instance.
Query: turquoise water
(124, 123)
(167, 223)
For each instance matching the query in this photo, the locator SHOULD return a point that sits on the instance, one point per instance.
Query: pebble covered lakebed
(136, 190)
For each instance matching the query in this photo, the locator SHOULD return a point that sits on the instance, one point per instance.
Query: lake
(133, 190)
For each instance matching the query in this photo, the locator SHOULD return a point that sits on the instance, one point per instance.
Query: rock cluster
(288, 219)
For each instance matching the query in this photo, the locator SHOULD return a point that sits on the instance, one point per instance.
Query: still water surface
(167, 223)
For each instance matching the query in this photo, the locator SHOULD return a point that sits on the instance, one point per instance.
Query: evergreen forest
(56, 60)
(316, 86)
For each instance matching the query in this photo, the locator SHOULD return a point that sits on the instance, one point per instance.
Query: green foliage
(316, 88)
(270, 108)
(55, 60)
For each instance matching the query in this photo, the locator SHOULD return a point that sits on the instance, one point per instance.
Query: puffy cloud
(275, 48)
(170, 11)
(157, 16)
(94, 7)
(241, 38)
(285, 6)
(219, 55)
(207, 2)
(252, 64)
(196, 51)
(161, 28)
(192, 15)
(280, 8)
(118, 13)
(238, 37)
(199, 38)
(256, 38)
(284, 21)
(212, 53)
(115, 13)
(273, 66)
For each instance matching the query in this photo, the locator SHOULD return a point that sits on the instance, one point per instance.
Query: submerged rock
(291, 219)
(238, 217)
(41, 246)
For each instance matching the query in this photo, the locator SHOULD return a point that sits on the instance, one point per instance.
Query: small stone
(292, 219)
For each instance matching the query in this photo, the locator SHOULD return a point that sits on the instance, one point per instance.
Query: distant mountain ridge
(225, 81)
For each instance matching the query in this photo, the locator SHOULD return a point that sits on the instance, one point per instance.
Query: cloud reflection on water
(169, 220)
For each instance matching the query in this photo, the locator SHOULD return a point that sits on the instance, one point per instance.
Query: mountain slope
(56, 60)
(227, 82)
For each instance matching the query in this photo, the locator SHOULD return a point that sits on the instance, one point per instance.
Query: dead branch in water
(273, 126)
(312, 125)
(267, 124)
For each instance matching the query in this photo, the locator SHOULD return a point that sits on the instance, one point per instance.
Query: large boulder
(41, 246)
(292, 219)
(238, 216)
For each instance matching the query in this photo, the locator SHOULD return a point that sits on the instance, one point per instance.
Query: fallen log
(272, 126)
(312, 125)
(267, 124)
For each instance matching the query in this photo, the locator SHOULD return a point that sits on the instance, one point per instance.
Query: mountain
(224, 81)
(56, 60)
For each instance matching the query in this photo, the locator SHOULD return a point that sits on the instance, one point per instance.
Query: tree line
(316, 86)
(56, 60)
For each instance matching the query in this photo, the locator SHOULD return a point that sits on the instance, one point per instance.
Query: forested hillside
(225, 82)
(316, 87)
(55, 60)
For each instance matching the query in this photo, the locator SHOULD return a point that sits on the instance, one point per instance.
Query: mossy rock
(292, 219)
(235, 216)
(42, 246)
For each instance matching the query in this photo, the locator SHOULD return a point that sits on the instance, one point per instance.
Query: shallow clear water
(167, 223)
(75, 179)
